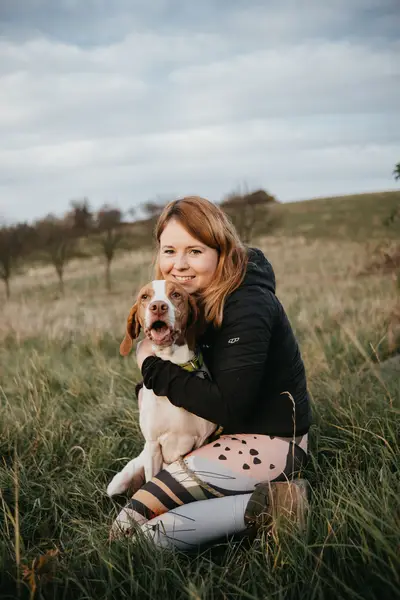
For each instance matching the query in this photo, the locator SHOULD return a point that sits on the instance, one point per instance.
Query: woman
(257, 393)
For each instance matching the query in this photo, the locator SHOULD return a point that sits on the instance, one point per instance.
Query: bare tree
(56, 239)
(394, 217)
(15, 241)
(80, 217)
(153, 208)
(246, 210)
(108, 224)
(9, 251)
(132, 212)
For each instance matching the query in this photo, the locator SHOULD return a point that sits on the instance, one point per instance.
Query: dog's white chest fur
(169, 431)
(176, 430)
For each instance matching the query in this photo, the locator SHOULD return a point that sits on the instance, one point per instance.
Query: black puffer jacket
(253, 358)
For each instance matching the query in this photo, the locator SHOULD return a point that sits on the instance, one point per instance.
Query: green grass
(68, 420)
(353, 217)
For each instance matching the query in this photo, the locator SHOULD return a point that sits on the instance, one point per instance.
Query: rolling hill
(358, 217)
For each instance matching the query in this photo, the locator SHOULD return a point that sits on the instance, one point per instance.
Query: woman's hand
(143, 350)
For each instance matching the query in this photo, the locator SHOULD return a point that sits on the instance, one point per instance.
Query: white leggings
(175, 509)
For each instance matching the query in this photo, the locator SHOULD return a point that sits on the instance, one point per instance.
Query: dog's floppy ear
(192, 323)
(132, 331)
(193, 312)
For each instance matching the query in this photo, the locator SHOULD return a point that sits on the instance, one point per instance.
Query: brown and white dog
(166, 313)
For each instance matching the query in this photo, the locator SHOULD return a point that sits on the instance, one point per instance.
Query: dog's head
(165, 311)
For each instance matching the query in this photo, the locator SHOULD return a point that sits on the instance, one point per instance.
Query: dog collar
(194, 364)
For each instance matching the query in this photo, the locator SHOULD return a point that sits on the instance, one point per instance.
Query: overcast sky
(126, 100)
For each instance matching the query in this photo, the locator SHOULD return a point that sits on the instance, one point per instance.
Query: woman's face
(184, 259)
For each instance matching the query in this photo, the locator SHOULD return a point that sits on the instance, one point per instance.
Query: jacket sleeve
(240, 353)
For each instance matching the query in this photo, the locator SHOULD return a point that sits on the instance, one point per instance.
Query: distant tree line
(56, 240)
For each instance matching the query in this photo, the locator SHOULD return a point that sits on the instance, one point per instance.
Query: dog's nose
(158, 307)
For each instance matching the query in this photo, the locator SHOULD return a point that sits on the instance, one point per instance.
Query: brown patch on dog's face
(144, 298)
(135, 321)
(186, 311)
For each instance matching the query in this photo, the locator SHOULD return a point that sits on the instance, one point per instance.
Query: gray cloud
(95, 22)
(121, 103)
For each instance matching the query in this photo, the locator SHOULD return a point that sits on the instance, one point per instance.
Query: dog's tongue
(159, 334)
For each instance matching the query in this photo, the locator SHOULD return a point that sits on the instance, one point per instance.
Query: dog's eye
(144, 296)
(175, 295)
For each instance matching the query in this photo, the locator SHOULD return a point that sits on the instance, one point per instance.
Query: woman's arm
(240, 353)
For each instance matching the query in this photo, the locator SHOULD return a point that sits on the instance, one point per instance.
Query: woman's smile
(183, 278)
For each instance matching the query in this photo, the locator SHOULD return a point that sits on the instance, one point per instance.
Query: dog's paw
(118, 484)
(130, 478)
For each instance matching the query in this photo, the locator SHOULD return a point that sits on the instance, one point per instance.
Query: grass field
(357, 217)
(68, 419)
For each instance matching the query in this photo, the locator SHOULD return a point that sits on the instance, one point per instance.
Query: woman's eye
(168, 251)
(193, 251)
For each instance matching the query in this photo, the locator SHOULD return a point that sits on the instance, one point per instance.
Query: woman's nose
(181, 261)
